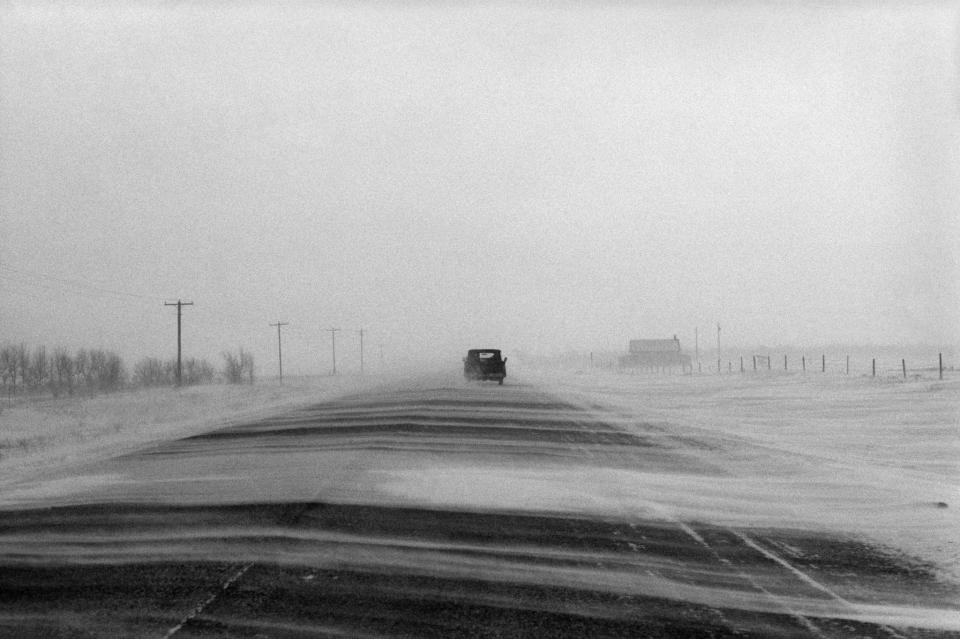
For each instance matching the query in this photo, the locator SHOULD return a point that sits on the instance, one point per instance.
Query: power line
(26, 283)
(66, 286)
(28, 294)
(68, 289)
(70, 281)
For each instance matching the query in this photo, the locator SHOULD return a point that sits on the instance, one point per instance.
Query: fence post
(784, 362)
(769, 362)
(874, 366)
(803, 361)
(741, 363)
(754, 363)
(904, 362)
(823, 359)
(941, 365)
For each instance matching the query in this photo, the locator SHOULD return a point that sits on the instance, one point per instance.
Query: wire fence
(886, 364)
(917, 366)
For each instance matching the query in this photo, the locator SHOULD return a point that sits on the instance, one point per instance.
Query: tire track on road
(288, 519)
(810, 581)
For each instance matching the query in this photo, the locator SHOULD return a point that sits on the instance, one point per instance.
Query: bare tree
(246, 362)
(81, 367)
(197, 371)
(11, 364)
(151, 371)
(237, 367)
(103, 371)
(23, 363)
(232, 368)
(4, 371)
(39, 372)
(112, 374)
(98, 361)
(63, 371)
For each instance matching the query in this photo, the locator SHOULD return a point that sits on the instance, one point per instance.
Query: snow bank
(41, 435)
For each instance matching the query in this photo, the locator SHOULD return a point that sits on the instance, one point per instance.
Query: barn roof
(654, 345)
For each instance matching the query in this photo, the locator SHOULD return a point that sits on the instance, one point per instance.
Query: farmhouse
(656, 355)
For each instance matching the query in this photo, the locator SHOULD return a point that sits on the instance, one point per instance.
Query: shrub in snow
(238, 368)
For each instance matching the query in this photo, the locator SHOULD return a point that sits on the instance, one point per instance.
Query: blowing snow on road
(440, 509)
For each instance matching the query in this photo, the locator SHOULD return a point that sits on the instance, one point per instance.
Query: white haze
(450, 175)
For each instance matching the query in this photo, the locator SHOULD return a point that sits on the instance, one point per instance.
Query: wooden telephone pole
(333, 347)
(179, 304)
(279, 349)
(718, 347)
(361, 351)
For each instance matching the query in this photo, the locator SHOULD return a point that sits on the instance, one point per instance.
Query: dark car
(484, 363)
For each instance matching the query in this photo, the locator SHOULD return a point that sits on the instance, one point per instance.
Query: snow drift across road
(877, 458)
(873, 457)
(592, 505)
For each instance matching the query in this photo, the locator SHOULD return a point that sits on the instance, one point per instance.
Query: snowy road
(435, 509)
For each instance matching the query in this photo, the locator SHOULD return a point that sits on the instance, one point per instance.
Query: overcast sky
(450, 175)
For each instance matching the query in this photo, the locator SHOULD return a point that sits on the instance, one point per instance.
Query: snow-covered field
(878, 458)
(873, 457)
(39, 435)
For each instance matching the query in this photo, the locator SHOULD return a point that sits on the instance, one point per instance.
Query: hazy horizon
(542, 179)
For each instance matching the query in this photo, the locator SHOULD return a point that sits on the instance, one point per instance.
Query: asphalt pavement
(308, 524)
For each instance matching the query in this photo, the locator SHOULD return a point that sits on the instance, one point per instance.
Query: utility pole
(279, 349)
(718, 347)
(179, 304)
(333, 347)
(361, 351)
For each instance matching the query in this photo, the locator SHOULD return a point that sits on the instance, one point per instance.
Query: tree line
(90, 370)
